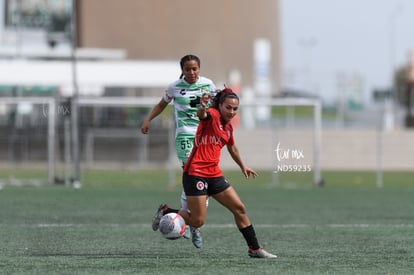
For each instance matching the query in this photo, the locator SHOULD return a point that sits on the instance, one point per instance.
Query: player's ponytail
(222, 95)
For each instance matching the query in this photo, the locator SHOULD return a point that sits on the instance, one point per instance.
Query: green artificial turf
(349, 226)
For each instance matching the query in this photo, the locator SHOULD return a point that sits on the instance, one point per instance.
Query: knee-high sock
(250, 236)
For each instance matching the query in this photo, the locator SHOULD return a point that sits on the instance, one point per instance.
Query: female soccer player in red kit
(202, 176)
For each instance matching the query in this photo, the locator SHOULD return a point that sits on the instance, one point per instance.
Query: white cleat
(261, 253)
(196, 237)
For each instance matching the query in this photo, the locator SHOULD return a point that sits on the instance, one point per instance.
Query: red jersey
(211, 136)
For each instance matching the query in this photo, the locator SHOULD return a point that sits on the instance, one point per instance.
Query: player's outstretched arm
(156, 110)
(234, 153)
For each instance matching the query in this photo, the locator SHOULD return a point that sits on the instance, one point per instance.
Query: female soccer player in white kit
(185, 93)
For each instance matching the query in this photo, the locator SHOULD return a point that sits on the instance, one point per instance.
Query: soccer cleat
(187, 233)
(196, 237)
(260, 253)
(158, 215)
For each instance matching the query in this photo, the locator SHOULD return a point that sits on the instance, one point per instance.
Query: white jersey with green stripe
(186, 99)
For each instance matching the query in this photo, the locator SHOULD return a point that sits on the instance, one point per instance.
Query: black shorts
(198, 186)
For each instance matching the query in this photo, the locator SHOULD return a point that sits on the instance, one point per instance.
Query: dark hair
(188, 57)
(221, 96)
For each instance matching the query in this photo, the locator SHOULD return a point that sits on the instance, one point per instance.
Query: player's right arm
(156, 110)
(202, 112)
(234, 153)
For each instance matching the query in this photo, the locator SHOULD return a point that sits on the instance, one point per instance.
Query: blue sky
(326, 43)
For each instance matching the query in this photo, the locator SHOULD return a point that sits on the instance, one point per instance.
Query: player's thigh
(229, 199)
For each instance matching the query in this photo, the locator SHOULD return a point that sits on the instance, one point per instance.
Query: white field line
(80, 225)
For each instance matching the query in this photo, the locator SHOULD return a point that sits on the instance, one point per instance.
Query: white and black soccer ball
(172, 226)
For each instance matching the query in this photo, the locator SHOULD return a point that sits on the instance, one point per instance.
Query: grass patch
(347, 227)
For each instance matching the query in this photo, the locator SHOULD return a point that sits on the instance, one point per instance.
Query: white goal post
(48, 109)
(316, 105)
(149, 102)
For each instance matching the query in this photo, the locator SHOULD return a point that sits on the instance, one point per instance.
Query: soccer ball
(172, 226)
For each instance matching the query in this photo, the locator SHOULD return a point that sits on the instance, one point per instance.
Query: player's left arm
(234, 153)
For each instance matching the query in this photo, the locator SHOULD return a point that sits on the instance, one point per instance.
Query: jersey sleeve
(169, 94)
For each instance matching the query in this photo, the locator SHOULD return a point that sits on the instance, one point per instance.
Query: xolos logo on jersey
(201, 185)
